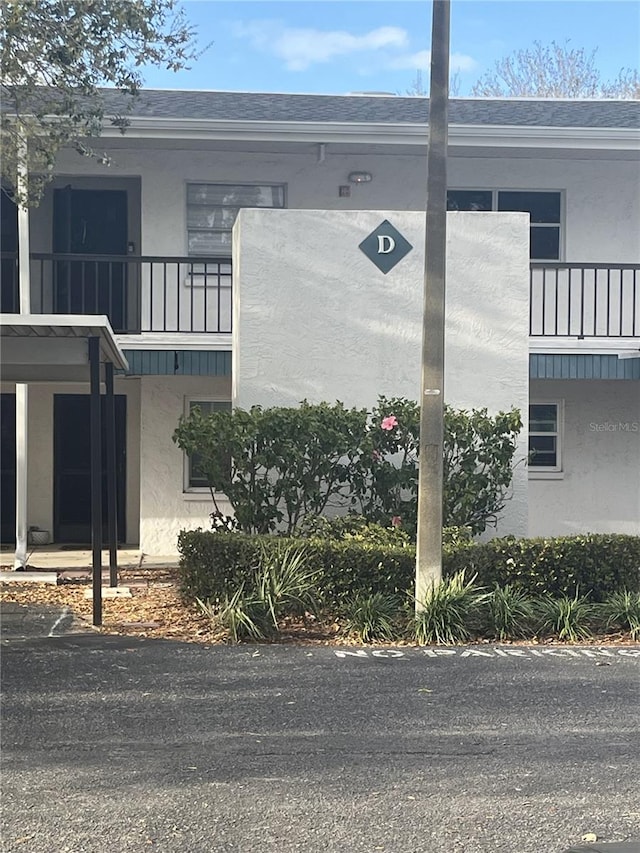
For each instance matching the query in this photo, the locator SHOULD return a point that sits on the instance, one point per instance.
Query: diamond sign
(385, 246)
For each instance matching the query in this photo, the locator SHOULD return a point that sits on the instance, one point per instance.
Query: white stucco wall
(600, 200)
(599, 488)
(315, 319)
(165, 508)
(601, 196)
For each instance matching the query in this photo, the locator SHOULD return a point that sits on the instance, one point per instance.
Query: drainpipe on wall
(22, 389)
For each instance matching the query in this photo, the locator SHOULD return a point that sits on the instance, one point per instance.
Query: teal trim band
(178, 363)
(586, 366)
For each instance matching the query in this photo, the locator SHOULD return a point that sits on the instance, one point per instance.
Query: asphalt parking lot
(118, 744)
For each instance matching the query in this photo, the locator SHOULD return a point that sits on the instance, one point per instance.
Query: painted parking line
(494, 653)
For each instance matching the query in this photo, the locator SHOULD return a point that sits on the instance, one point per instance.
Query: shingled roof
(375, 109)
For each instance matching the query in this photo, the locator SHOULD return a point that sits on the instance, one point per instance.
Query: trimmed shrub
(214, 565)
(596, 563)
(353, 528)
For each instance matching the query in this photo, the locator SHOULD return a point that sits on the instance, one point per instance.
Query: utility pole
(22, 389)
(429, 546)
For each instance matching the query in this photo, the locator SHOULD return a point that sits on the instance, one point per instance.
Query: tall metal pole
(96, 477)
(429, 547)
(22, 390)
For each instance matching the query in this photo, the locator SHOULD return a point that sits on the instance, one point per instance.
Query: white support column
(22, 391)
(22, 412)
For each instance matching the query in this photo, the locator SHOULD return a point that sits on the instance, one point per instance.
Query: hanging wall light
(360, 177)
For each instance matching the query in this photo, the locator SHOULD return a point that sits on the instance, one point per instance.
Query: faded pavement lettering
(494, 653)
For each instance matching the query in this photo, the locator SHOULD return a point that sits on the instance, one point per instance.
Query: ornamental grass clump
(449, 611)
(373, 616)
(241, 614)
(567, 618)
(285, 583)
(510, 613)
(621, 611)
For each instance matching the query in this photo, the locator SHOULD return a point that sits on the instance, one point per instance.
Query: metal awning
(54, 347)
(36, 348)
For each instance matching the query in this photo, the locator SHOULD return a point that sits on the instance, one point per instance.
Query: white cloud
(300, 48)
(422, 59)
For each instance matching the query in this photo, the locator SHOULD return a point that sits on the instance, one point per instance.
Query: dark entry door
(72, 468)
(91, 222)
(9, 246)
(8, 468)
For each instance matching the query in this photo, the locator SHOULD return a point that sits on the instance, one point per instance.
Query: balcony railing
(584, 300)
(138, 294)
(193, 295)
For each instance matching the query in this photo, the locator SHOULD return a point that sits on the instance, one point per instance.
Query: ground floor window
(545, 436)
(195, 480)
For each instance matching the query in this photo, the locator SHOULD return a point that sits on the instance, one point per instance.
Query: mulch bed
(156, 610)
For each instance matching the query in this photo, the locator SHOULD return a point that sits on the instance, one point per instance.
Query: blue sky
(337, 46)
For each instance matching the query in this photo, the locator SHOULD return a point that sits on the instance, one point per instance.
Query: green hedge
(597, 563)
(215, 564)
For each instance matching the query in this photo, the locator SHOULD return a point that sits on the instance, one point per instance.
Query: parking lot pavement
(21, 622)
(118, 744)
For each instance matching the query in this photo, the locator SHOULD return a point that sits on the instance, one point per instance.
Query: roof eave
(506, 136)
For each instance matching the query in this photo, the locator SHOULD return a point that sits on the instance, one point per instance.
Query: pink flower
(389, 422)
(396, 521)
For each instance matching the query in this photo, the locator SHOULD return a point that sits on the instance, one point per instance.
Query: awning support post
(112, 497)
(96, 478)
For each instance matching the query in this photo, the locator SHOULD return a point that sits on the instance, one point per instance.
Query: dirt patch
(154, 610)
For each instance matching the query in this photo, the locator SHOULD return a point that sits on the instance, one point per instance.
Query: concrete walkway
(68, 563)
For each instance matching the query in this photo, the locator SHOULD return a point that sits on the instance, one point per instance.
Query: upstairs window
(544, 209)
(212, 210)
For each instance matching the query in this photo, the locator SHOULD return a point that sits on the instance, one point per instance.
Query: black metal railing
(137, 293)
(584, 300)
(194, 295)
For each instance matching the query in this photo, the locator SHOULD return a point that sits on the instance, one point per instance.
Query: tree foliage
(55, 57)
(280, 465)
(554, 71)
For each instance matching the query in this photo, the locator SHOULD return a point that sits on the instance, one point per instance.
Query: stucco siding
(165, 508)
(315, 319)
(601, 197)
(599, 488)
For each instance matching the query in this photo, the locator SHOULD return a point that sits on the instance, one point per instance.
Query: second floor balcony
(138, 294)
(188, 295)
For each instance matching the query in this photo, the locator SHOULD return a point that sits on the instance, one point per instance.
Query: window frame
(189, 491)
(494, 209)
(219, 255)
(548, 472)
